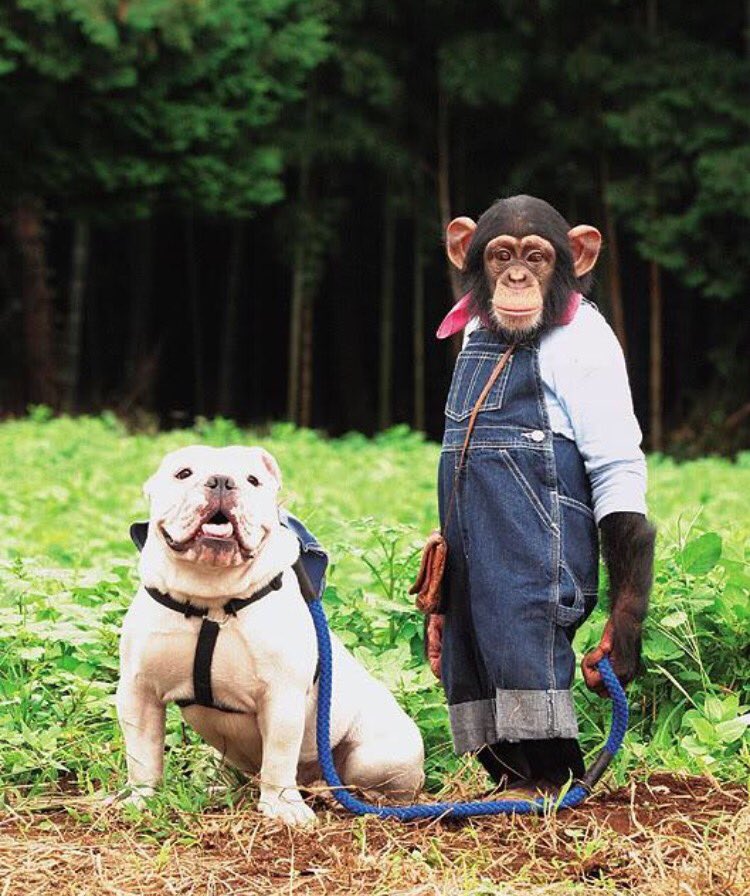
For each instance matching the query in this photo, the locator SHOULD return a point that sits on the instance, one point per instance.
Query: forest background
(236, 207)
(222, 220)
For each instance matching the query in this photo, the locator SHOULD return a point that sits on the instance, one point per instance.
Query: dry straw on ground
(667, 836)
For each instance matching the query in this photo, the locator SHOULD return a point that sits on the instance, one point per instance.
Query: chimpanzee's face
(521, 262)
(518, 274)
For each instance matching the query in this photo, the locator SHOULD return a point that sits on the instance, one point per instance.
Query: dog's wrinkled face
(214, 506)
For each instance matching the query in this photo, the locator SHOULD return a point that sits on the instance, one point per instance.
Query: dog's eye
(184, 473)
(253, 480)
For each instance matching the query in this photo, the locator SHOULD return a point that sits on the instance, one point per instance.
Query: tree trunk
(297, 309)
(656, 364)
(682, 356)
(295, 330)
(420, 413)
(76, 298)
(306, 372)
(230, 332)
(656, 389)
(141, 293)
(37, 302)
(91, 386)
(443, 183)
(613, 260)
(387, 302)
(458, 170)
(193, 289)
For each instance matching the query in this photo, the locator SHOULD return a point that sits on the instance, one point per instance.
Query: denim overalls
(522, 555)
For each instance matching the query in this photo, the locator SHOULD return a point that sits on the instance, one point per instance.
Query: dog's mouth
(218, 526)
(217, 532)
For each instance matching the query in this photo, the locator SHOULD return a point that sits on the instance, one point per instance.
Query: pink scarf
(459, 315)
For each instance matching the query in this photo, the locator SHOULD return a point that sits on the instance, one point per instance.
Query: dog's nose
(220, 483)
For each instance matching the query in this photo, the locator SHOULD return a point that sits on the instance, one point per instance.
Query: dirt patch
(667, 835)
(662, 802)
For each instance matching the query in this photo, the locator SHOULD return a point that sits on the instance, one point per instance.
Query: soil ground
(664, 835)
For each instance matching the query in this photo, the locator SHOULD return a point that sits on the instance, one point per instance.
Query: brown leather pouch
(430, 575)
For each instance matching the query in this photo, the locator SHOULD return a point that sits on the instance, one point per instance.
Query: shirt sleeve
(469, 329)
(591, 384)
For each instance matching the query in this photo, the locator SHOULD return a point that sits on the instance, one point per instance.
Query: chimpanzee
(554, 456)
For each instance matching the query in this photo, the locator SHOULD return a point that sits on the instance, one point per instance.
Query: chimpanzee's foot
(523, 790)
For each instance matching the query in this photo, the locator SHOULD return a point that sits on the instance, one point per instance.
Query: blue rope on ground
(573, 797)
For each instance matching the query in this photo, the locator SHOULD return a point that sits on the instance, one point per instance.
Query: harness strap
(306, 587)
(231, 607)
(209, 632)
(204, 655)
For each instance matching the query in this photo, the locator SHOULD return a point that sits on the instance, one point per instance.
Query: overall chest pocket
(470, 376)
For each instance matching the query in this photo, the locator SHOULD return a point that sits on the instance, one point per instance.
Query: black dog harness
(209, 632)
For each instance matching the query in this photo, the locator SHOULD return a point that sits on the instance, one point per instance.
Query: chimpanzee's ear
(457, 238)
(585, 243)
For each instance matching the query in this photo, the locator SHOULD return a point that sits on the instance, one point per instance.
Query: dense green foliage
(313, 150)
(67, 573)
(123, 105)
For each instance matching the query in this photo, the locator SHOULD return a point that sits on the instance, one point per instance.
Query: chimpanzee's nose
(517, 275)
(220, 483)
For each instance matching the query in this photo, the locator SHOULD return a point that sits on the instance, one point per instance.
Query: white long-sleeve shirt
(588, 400)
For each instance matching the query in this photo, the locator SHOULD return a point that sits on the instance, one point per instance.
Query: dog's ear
(148, 486)
(269, 462)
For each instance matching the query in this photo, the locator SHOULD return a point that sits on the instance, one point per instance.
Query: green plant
(68, 572)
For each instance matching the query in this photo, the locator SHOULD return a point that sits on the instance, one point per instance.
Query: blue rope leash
(573, 797)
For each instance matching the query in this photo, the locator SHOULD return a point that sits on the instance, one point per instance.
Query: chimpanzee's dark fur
(628, 551)
(554, 761)
(521, 216)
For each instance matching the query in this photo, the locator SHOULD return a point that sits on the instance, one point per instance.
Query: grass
(67, 574)
(665, 837)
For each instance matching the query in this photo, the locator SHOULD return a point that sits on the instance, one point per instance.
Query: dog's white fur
(265, 657)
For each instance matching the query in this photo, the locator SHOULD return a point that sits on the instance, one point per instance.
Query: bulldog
(220, 627)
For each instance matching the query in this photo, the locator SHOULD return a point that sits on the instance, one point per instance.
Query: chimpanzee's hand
(433, 641)
(591, 674)
(621, 642)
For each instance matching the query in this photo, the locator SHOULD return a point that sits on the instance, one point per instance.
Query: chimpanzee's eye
(502, 254)
(184, 473)
(253, 480)
(535, 256)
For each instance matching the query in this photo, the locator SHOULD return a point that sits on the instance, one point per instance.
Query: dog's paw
(290, 810)
(130, 796)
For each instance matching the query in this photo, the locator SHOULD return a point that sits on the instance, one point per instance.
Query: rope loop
(571, 798)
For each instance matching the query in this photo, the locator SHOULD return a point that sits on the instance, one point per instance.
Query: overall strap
(491, 380)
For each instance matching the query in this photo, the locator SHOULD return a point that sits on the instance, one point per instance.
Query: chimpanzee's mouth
(519, 312)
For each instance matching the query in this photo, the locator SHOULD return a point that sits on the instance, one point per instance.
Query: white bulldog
(214, 536)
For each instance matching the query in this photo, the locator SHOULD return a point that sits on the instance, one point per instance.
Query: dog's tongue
(217, 530)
